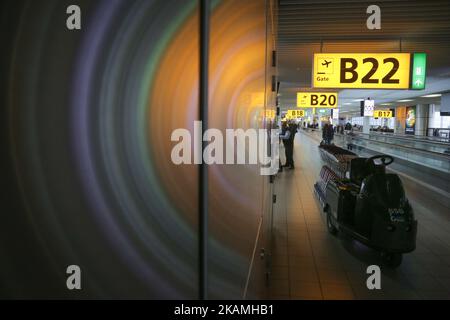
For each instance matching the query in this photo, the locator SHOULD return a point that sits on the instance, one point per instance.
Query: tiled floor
(310, 263)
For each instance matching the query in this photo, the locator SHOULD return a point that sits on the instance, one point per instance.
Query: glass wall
(90, 149)
(435, 119)
(238, 193)
(374, 122)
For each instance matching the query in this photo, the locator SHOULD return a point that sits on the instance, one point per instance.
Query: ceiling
(308, 27)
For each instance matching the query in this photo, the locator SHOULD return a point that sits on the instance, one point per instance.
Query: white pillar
(366, 125)
(422, 111)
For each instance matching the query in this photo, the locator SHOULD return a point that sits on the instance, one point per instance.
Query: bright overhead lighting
(435, 95)
(347, 103)
(386, 104)
(405, 100)
(358, 100)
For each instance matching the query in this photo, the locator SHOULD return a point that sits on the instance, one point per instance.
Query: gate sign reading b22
(362, 70)
(317, 99)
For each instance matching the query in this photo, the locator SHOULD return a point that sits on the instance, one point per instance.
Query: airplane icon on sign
(326, 63)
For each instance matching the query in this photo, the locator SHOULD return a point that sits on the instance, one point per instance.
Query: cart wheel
(331, 228)
(392, 260)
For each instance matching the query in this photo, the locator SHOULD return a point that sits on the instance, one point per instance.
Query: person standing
(325, 133)
(282, 135)
(330, 133)
(287, 135)
(348, 126)
(293, 127)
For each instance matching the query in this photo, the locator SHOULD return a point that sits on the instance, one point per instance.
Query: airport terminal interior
(307, 261)
(357, 94)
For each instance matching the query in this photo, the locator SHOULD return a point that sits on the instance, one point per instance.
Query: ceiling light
(347, 103)
(435, 95)
(405, 100)
(386, 104)
(358, 100)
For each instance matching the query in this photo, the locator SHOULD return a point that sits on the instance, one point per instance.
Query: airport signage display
(369, 106)
(410, 121)
(317, 99)
(335, 113)
(292, 114)
(418, 71)
(270, 114)
(382, 114)
(362, 70)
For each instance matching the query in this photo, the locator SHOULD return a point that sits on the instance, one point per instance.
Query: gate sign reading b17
(382, 114)
(317, 99)
(361, 70)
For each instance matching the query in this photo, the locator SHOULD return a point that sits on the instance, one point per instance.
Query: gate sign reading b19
(361, 70)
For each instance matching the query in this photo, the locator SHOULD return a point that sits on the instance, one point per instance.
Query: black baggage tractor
(363, 201)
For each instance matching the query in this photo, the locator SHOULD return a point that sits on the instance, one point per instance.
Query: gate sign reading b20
(317, 99)
(361, 70)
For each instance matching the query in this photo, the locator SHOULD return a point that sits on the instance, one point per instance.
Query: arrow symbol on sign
(418, 82)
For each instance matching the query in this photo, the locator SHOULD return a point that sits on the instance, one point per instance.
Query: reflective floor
(310, 263)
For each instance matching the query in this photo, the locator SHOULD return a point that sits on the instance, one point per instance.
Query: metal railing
(416, 142)
(442, 134)
(436, 160)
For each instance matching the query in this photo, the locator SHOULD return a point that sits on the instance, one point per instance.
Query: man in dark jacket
(287, 135)
(330, 133)
(325, 133)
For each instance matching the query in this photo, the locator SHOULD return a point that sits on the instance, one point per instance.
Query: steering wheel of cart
(385, 159)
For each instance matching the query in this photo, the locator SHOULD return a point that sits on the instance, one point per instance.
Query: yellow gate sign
(317, 99)
(361, 70)
(270, 114)
(382, 114)
(292, 114)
